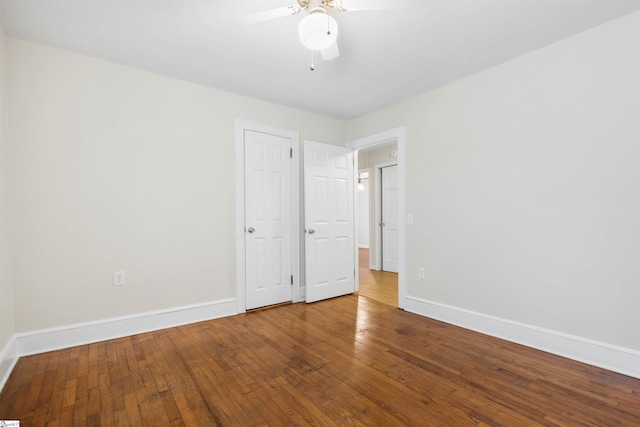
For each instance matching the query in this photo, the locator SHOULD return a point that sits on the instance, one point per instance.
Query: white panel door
(267, 219)
(363, 214)
(390, 218)
(329, 224)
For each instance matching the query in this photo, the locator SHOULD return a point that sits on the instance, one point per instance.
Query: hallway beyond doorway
(381, 286)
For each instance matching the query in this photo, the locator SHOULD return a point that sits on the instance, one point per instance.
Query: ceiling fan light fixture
(318, 31)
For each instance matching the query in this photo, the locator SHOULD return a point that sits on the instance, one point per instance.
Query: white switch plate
(410, 219)
(420, 273)
(119, 278)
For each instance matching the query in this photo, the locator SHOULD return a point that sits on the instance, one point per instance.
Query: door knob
(311, 231)
(251, 230)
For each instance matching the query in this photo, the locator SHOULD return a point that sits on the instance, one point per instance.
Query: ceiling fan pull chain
(328, 25)
(313, 67)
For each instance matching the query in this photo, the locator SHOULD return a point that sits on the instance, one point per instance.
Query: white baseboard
(8, 359)
(614, 358)
(44, 340)
(362, 246)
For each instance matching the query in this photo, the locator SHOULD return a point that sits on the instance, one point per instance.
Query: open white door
(329, 224)
(390, 218)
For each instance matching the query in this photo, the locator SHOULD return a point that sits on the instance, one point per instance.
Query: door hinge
(292, 280)
(291, 153)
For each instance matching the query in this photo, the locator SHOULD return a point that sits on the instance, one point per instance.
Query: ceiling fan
(318, 30)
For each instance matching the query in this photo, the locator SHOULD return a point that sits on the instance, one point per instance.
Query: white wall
(523, 182)
(6, 288)
(7, 323)
(119, 169)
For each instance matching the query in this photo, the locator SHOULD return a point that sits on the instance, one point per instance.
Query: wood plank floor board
(93, 401)
(132, 410)
(83, 361)
(54, 407)
(65, 419)
(46, 391)
(346, 361)
(79, 411)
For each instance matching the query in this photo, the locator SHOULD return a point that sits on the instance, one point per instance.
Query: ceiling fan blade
(364, 5)
(332, 52)
(265, 15)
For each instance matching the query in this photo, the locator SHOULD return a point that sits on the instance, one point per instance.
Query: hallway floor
(381, 286)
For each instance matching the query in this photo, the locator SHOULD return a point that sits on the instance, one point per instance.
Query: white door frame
(378, 207)
(397, 135)
(240, 127)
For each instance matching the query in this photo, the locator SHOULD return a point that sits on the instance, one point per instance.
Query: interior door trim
(240, 127)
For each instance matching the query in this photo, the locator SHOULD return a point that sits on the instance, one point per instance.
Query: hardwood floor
(381, 286)
(345, 361)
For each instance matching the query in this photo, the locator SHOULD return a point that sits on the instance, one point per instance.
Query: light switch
(410, 219)
(119, 278)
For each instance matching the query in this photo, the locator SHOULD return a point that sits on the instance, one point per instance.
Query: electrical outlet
(119, 278)
(420, 273)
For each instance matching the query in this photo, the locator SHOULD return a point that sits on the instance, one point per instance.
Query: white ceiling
(385, 56)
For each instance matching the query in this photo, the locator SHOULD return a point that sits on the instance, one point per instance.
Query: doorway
(378, 204)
